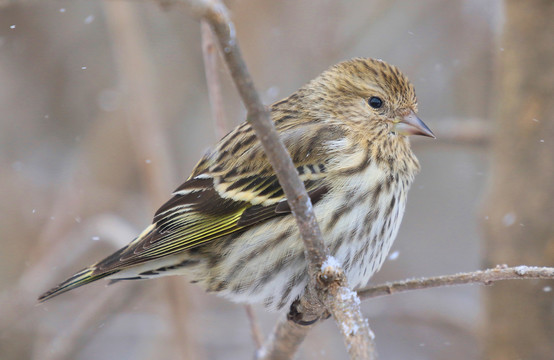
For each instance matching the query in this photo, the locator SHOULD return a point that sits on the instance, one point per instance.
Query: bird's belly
(360, 229)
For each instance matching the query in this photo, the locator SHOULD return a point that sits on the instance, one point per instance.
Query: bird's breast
(360, 218)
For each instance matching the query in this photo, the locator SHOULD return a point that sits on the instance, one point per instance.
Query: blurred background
(105, 111)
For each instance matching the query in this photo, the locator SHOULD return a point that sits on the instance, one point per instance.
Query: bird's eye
(375, 102)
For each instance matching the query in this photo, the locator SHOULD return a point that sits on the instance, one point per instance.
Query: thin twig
(486, 277)
(254, 326)
(209, 53)
(137, 83)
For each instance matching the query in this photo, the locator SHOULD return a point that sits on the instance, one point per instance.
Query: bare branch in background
(137, 81)
(517, 321)
(108, 303)
(460, 131)
(257, 334)
(485, 277)
(209, 53)
(44, 265)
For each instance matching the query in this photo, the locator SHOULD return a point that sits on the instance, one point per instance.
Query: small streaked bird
(229, 227)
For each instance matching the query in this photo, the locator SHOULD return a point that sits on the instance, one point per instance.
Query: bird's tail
(83, 277)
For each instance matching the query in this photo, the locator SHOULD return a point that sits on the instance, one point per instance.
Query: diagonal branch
(216, 14)
(324, 289)
(209, 54)
(284, 341)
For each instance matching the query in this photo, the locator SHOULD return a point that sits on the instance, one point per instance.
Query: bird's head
(370, 92)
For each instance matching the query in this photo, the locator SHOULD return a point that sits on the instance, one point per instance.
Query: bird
(229, 227)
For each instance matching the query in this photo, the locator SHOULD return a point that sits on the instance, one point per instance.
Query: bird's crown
(366, 77)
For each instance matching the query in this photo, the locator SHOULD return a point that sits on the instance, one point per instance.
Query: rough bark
(518, 218)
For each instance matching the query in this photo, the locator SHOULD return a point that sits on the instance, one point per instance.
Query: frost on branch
(330, 264)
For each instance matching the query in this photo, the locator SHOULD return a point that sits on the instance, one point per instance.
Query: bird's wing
(226, 194)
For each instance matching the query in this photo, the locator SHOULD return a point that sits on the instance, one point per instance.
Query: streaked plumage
(229, 227)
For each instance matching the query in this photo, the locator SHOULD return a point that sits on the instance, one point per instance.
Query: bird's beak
(412, 125)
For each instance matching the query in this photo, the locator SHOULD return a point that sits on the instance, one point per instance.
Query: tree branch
(359, 342)
(216, 14)
(344, 304)
(485, 277)
(293, 333)
(284, 341)
(209, 54)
